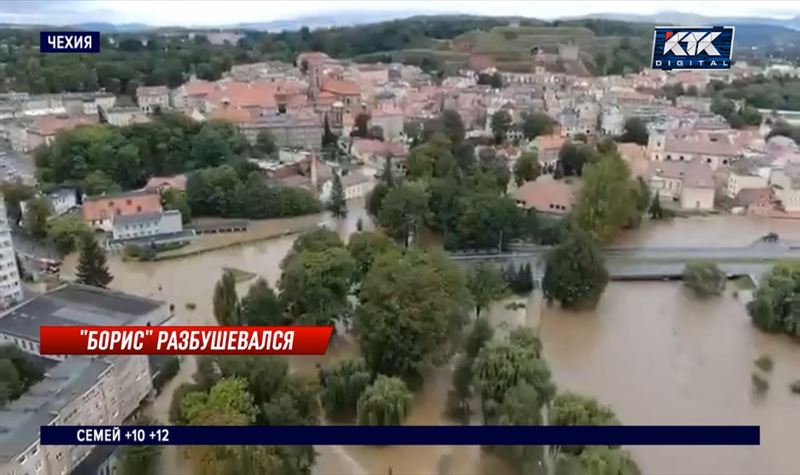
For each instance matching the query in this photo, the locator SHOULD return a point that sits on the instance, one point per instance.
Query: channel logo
(69, 41)
(680, 47)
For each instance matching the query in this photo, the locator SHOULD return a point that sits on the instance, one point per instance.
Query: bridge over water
(655, 263)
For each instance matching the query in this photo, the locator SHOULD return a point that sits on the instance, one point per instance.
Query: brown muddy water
(650, 351)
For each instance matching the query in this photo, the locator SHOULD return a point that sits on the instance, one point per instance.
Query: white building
(355, 184)
(737, 183)
(146, 224)
(152, 98)
(10, 285)
(786, 183)
(612, 121)
(79, 390)
(61, 200)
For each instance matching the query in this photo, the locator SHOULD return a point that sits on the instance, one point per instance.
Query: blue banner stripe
(400, 435)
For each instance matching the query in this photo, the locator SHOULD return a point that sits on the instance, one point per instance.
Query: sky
(210, 12)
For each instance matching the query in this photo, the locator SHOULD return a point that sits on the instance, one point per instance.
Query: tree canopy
(575, 273)
(412, 309)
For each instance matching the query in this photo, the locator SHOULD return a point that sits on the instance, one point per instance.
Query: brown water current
(651, 351)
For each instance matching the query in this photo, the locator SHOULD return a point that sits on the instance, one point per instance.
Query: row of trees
(18, 372)
(102, 158)
(222, 191)
(246, 390)
(776, 303)
(773, 92)
(453, 191)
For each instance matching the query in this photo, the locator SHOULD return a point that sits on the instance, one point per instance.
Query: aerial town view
(510, 214)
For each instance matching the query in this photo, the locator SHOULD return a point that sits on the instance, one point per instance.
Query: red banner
(184, 340)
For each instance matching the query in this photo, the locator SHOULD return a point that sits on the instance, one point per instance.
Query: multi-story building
(100, 211)
(61, 200)
(738, 182)
(78, 390)
(293, 130)
(152, 98)
(10, 286)
(146, 225)
(689, 183)
(786, 183)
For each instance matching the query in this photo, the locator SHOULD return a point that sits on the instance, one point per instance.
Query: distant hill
(324, 21)
(690, 19)
(112, 28)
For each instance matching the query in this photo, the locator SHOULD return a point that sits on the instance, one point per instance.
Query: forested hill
(128, 60)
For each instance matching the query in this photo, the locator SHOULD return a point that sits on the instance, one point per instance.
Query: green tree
(366, 247)
(573, 157)
(342, 386)
(261, 307)
(227, 403)
(704, 279)
(776, 303)
(14, 193)
(635, 131)
(209, 147)
(486, 284)
(480, 334)
(575, 274)
(656, 211)
(501, 124)
(502, 365)
(98, 183)
(37, 212)
(403, 211)
(602, 460)
(66, 231)
(176, 199)
(458, 398)
(328, 137)
(315, 286)
(412, 309)
(521, 406)
(10, 383)
(536, 124)
(92, 266)
(605, 204)
(226, 302)
(571, 409)
(265, 143)
(432, 158)
(527, 168)
(386, 402)
(320, 239)
(337, 204)
(139, 459)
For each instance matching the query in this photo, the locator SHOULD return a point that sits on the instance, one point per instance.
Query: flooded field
(651, 351)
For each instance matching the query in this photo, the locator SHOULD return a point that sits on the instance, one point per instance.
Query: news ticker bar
(400, 435)
(184, 340)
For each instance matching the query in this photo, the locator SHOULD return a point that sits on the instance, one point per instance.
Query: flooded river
(652, 352)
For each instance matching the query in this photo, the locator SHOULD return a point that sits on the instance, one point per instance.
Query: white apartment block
(737, 183)
(10, 285)
(78, 390)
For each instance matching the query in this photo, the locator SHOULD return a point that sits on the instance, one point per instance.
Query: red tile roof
(177, 182)
(236, 116)
(694, 174)
(198, 88)
(546, 195)
(341, 87)
(122, 204)
(53, 124)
